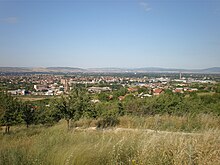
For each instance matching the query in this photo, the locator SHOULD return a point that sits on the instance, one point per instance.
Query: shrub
(107, 122)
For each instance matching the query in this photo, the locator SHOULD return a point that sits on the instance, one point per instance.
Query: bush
(107, 122)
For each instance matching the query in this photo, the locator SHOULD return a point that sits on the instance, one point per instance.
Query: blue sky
(133, 33)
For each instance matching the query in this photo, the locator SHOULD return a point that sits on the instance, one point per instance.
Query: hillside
(105, 70)
(55, 145)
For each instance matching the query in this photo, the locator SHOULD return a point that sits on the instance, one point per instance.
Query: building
(65, 84)
(41, 87)
(157, 91)
(99, 89)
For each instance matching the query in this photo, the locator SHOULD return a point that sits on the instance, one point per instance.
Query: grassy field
(167, 143)
(205, 93)
(33, 98)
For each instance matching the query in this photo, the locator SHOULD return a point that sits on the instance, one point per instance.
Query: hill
(105, 70)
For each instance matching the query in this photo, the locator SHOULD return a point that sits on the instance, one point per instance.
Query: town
(112, 82)
(140, 85)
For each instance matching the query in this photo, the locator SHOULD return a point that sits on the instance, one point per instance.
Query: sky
(110, 33)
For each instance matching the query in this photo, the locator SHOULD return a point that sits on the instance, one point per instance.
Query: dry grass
(33, 98)
(187, 123)
(55, 145)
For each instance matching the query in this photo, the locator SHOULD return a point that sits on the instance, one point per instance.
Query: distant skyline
(122, 34)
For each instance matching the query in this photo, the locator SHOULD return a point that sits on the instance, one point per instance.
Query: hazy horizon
(110, 34)
(109, 67)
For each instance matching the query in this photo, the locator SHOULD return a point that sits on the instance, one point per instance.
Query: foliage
(217, 88)
(121, 111)
(143, 90)
(76, 105)
(121, 92)
(10, 111)
(172, 104)
(54, 145)
(103, 96)
(109, 121)
(28, 113)
(46, 115)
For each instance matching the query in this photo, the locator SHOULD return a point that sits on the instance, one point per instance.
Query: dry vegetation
(55, 145)
(33, 98)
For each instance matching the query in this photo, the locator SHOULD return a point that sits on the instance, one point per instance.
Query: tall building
(180, 75)
(65, 84)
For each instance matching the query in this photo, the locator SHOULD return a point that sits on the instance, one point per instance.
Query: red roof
(132, 89)
(158, 90)
(121, 98)
(178, 90)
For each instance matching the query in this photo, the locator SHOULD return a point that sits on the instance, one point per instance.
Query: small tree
(75, 105)
(121, 92)
(103, 96)
(28, 113)
(121, 110)
(11, 111)
(63, 105)
(47, 115)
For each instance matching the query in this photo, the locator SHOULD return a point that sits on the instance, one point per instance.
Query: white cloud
(9, 20)
(145, 6)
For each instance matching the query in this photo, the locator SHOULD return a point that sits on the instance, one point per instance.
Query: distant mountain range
(41, 69)
(105, 70)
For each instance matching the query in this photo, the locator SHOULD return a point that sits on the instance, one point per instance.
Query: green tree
(121, 110)
(46, 115)
(28, 113)
(217, 88)
(74, 106)
(143, 90)
(103, 96)
(121, 92)
(10, 111)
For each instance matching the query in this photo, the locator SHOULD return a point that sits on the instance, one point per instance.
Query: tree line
(78, 105)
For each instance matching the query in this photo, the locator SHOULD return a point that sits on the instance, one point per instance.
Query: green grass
(56, 146)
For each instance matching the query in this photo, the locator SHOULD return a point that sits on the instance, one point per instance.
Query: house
(157, 91)
(95, 101)
(178, 90)
(13, 92)
(99, 89)
(41, 87)
(193, 90)
(121, 98)
(110, 97)
(18, 92)
(132, 89)
(142, 95)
